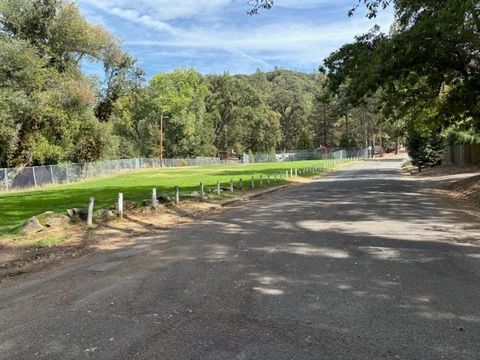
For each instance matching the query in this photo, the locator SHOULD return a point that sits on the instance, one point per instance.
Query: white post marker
(51, 174)
(218, 188)
(296, 172)
(34, 176)
(253, 183)
(177, 195)
(120, 205)
(261, 181)
(91, 205)
(241, 184)
(231, 185)
(268, 179)
(202, 191)
(154, 198)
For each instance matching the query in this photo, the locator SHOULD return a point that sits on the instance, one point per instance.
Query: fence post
(296, 172)
(241, 184)
(231, 185)
(90, 211)
(268, 179)
(286, 174)
(51, 174)
(291, 172)
(6, 178)
(202, 191)
(66, 173)
(154, 198)
(261, 181)
(177, 195)
(120, 205)
(218, 188)
(253, 182)
(34, 176)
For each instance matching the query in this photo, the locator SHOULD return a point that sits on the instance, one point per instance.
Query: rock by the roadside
(32, 225)
(164, 199)
(147, 203)
(195, 194)
(77, 214)
(106, 214)
(51, 219)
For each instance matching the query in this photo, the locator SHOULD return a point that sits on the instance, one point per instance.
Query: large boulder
(51, 219)
(31, 226)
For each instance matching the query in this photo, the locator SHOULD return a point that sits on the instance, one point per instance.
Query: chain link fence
(299, 155)
(38, 176)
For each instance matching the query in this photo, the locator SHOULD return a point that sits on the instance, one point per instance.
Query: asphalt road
(363, 264)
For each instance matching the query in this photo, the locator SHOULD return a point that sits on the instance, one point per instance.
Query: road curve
(363, 264)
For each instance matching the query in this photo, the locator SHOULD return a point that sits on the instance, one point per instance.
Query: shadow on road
(362, 264)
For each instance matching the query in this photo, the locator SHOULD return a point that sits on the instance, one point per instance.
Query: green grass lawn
(16, 207)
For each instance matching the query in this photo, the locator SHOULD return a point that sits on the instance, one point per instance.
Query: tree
(428, 61)
(122, 76)
(425, 147)
(177, 98)
(292, 97)
(47, 101)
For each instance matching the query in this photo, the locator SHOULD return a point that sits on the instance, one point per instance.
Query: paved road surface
(360, 265)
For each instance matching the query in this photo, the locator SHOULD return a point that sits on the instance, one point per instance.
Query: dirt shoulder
(21, 254)
(458, 182)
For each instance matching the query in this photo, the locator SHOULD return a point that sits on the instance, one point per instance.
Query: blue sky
(214, 36)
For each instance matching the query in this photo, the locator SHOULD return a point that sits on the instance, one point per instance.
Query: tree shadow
(364, 266)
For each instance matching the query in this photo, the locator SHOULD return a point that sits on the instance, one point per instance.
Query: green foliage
(457, 136)
(178, 98)
(251, 156)
(305, 141)
(52, 112)
(428, 61)
(47, 102)
(347, 142)
(424, 147)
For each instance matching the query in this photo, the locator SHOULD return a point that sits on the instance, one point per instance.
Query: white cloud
(160, 10)
(193, 27)
(304, 4)
(299, 40)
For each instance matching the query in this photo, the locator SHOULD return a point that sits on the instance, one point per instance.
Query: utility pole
(346, 122)
(324, 124)
(365, 124)
(161, 139)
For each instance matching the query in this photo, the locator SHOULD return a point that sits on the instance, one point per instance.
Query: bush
(425, 149)
(456, 136)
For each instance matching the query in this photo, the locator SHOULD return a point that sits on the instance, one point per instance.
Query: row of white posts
(287, 174)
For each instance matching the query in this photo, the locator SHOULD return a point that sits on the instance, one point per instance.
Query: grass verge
(16, 207)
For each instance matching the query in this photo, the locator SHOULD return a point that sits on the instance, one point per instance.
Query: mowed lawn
(16, 207)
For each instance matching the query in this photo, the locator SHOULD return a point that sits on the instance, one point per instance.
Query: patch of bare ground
(20, 254)
(459, 182)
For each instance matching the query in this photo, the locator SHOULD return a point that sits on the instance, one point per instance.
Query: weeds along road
(363, 264)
